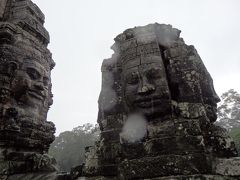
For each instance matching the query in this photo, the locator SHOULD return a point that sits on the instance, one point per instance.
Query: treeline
(69, 147)
(229, 115)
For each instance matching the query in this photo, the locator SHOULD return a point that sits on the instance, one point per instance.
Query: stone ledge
(180, 177)
(151, 167)
(39, 176)
(97, 178)
(196, 177)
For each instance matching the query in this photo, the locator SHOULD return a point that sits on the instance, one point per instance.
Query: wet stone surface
(25, 93)
(158, 106)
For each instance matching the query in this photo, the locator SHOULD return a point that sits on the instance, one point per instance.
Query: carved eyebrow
(132, 74)
(155, 69)
(153, 72)
(151, 68)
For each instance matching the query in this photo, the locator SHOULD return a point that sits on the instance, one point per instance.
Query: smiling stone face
(25, 91)
(25, 83)
(31, 89)
(145, 86)
(31, 84)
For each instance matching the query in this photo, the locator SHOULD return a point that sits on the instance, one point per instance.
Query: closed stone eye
(132, 78)
(33, 73)
(153, 73)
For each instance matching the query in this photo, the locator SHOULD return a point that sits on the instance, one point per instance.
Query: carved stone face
(31, 84)
(145, 86)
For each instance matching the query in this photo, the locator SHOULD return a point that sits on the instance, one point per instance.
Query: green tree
(69, 147)
(229, 115)
(229, 110)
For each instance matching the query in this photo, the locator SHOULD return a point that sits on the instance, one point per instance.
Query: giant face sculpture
(31, 84)
(30, 88)
(145, 86)
(25, 90)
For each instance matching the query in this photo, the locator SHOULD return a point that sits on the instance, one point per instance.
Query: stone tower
(157, 110)
(25, 91)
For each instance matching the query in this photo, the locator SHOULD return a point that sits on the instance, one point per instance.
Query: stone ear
(11, 68)
(6, 38)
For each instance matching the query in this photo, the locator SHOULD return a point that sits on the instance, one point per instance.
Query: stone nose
(39, 86)
(145, 87)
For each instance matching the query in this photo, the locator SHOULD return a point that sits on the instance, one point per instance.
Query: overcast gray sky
(82, 32)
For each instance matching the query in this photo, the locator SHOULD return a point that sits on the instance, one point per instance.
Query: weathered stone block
(195, 177)
(189, 110)
(133, 150)
(112, 122)
(161, 128)
(174, 145)
(227, 167)
(111, 135)
(40, 176)
(185, 127)
(103, 170)
(178, 51)
(148, 167)
(109, 170)
(109, 153)
(98, 178)
(28, 16)
(30, 8)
